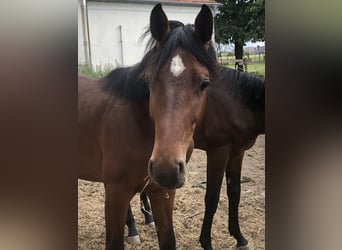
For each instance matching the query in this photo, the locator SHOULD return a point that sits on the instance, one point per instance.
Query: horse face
(177, 103)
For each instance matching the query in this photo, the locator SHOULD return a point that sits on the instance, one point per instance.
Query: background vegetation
(239, 21)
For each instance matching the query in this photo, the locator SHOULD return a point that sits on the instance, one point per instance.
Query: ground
(189, 208)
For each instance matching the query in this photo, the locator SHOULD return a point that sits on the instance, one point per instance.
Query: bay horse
(136, 124)
(233, 119)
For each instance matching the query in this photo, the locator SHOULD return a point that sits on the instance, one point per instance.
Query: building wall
(105, 21)
(81, 57)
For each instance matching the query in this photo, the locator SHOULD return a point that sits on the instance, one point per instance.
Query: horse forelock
(183, 37)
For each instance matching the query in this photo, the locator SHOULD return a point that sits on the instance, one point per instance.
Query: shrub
(97, 73)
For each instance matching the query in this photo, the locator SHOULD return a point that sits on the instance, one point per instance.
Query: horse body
(136, 124)
(119, 159)
(102, 144)
(102, 118)
(234, 117)
(216, 131)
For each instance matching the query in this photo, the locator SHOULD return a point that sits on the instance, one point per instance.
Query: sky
(250, 44)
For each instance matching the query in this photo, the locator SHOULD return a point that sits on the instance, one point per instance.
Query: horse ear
(204, 24)
(159, 24)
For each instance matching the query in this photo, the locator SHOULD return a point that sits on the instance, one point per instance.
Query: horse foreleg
(216, 162)
(162, 208)
(116, 207)
(133, 236)
(146, 209)
(233, 176)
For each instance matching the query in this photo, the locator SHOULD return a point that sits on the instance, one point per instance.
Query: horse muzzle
(169, 175)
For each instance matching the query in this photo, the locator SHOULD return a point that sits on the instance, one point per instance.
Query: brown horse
(234, 117)
(152, 107)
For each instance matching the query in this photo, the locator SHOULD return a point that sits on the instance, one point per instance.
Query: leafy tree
(239, 21)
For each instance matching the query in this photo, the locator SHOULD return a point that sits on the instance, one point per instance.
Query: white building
(109, 32)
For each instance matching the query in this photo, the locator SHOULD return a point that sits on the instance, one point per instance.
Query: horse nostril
(150, 167)
(181, 167)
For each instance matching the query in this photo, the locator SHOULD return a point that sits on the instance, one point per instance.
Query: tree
(239, 21)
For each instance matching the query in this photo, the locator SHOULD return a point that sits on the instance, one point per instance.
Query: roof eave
(156, 1)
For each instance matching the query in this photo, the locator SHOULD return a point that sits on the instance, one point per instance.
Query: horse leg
(162, 208)
(145, 209)
(233, 176)
(116, 207)
(216, 162)
(133, 236)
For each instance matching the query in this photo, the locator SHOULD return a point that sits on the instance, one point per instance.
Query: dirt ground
(189, 208)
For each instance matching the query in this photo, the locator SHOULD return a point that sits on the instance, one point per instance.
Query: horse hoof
(135, 240)
(242, 248)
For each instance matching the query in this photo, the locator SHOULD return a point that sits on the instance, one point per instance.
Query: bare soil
(188, 210)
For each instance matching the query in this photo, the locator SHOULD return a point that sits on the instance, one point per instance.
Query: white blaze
(177, 66)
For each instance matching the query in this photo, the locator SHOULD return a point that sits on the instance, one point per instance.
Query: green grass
(257, 68)
(97, 73)
(254, 65)
(253, 68)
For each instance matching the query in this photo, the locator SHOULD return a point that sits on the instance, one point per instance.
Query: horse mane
(128, 82)
(248, 87)
(131, 82)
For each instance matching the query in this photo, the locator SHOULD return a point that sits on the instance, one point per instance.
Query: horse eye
(205, 82)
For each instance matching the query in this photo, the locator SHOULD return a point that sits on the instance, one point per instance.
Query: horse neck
(253, 119)
(247, 94)
(142, 116)
(260, 121)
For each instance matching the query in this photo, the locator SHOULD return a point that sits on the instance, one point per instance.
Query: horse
(136, 124)
(234, 117)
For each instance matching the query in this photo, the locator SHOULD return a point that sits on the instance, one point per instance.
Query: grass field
(97, 73)
(255, 63)
(253, 68)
